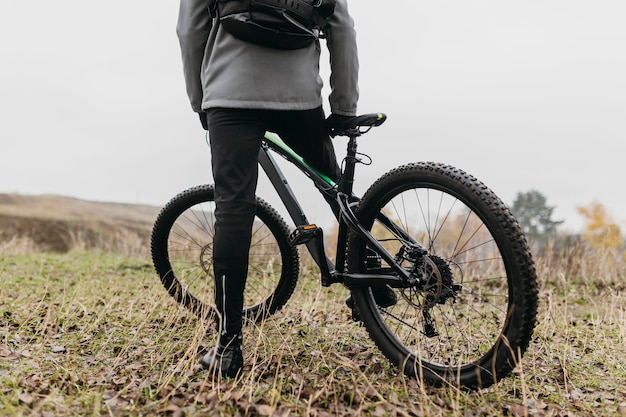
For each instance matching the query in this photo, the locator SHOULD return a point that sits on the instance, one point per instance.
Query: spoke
(400, 320)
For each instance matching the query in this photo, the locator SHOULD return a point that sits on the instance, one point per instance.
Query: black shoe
(225, 358)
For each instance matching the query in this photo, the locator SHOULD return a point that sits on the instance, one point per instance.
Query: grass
(91, 333)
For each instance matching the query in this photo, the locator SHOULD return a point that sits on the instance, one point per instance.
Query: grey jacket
(222, 71)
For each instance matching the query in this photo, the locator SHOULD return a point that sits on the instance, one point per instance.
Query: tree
(601, 232)
(535, 216)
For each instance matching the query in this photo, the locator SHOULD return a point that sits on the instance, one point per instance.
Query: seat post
(347, 180)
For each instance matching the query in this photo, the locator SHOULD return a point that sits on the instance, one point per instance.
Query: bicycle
(453, 255)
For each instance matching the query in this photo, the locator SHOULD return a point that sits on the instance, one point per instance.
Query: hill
(56, 223)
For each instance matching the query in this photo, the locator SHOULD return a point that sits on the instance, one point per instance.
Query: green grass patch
(89, 333)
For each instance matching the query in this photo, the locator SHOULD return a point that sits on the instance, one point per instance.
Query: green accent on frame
(276, 140)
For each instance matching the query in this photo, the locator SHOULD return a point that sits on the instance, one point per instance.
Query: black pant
(235, 136)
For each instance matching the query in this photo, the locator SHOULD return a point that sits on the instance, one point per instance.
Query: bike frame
(341, 199)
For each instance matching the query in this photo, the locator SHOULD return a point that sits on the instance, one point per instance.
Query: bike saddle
(347, 126)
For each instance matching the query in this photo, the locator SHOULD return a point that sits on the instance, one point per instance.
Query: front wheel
(472, 314)
(182, 253)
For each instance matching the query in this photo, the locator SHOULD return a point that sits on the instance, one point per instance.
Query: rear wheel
(182, 253)
(472, 315)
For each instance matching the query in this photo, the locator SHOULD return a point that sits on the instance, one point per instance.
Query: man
(240, 90)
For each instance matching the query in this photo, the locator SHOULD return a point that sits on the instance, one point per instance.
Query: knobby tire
(473, 316)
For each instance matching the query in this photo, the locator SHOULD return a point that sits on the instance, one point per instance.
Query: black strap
(316, 10)
(302, 8)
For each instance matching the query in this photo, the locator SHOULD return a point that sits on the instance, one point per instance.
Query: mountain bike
(439, 271)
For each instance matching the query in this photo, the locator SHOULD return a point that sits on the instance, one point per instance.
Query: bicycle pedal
(304, 234)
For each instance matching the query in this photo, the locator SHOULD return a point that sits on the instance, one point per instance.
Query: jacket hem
(261, 105)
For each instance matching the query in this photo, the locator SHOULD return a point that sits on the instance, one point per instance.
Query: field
(88, 330)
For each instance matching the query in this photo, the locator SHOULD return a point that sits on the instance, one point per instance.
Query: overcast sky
(523, 95)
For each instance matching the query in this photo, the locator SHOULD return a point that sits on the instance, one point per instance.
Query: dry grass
(88, 332)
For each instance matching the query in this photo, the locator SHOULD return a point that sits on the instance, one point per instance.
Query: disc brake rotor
(436, 284)
(206, 259)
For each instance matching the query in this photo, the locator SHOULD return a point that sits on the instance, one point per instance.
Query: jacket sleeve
(344, 61)
(194, 25)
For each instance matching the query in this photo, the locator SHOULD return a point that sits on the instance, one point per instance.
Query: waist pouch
(279, 24)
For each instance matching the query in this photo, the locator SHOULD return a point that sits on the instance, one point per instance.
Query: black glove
(203, 120)
(326, 7)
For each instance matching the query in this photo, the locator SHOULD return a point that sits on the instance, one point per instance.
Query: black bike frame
(340, 198)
